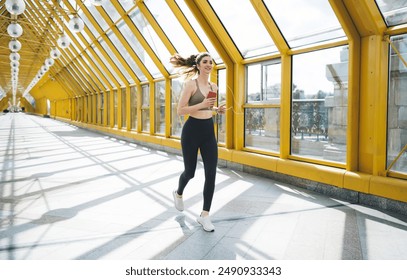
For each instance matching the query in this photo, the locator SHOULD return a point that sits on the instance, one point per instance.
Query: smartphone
(211, 94)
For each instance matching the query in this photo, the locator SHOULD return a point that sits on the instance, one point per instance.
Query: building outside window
(319, 104)
(262, 109)
(397, 106)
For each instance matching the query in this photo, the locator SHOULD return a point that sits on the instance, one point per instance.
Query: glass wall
(108, 107)
(262, 110)
(123, 107)
(133, 107)
(101, 108)
(221, 118)
(115, 109)
(159, 107)
(145, 108)
(397, 106)
(176, 120)
(319, 104)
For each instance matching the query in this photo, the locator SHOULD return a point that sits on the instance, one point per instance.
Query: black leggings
(199, 134)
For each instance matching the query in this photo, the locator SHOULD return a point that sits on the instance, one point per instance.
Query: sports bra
(198, 97)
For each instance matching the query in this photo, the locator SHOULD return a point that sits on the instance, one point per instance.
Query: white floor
(67, 193)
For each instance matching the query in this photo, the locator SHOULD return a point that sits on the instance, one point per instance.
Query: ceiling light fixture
(14, 57)
(14, 45)
(76, 24)
(63, 41)
(14, 30)
(55, 53)
(15, 7)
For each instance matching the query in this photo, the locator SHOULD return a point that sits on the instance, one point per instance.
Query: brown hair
(188, 66)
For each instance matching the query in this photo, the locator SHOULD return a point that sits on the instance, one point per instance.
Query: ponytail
(187, 66)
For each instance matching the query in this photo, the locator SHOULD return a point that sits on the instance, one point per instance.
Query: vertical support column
(285, 107)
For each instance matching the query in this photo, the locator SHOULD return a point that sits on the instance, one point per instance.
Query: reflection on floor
(68, 193)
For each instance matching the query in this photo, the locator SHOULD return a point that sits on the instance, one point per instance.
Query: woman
(198, 131)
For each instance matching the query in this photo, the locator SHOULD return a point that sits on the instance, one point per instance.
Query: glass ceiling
(308, 22)
(394, 11)
(244, 26)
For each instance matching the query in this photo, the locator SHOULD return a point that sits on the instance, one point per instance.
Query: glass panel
(114, 58)
(86, 109)
(84, 75)
(102, 99)
(85, 19)
(138, 49)
(127, 4)
(97, 106)
(264, 83)
(126, 56)
(221, 119)
(307, 22)
(133, 107)
(145, 108)
(152, 39)
(172, 28)
(124, 120)
(111, 11)
(96, 73)
(397, 106)
(90, 108)
(96, 15)
(108, 108)
(106, 63)
(98, 65)
(177, 121)
(115, 107)
(320, 104)
(250, 41)
(198, 29)
(262, 128)
(394, 11)
(160, 107)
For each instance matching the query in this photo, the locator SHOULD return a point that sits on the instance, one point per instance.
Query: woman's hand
(208, 102)
(221, 109)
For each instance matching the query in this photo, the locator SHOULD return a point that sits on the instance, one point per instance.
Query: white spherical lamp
(76, 24)
(14, 30)
(14, 45)
(14, 64)
(44, 68)
(55, 53)
(49, 62)
(14, 56)
(15, 7)
(63, 41)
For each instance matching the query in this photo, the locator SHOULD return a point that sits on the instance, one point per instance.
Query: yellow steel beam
(351, 31)
(365, 16)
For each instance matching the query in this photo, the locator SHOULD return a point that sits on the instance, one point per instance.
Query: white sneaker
(206, 223)
(178, 202)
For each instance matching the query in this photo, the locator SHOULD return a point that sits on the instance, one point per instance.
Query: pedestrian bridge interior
(312, 147)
